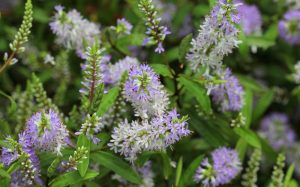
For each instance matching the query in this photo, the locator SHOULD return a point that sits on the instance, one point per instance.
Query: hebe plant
(150, 93)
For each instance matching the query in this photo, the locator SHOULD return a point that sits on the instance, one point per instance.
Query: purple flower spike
(229, 95)
(144, 90)
(225, 166)
(47, 132)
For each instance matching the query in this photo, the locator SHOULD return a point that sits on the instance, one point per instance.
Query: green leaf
(108, 100)
(263, 104)
(241, 148)
(85, 142)
(178, 171)
(247, 109)
(53, 166)
(198, 92)
(167, 170)
(288, 176)
(4, 174)
(212, 3)
(14, 167)
(13, 105)
(260, 41)
(71, 178)
(190, 171)
(40, 15)
(5, 144)
(117, 165)
(249, 136)
(162, 69)
(184, 47)
(293, 183)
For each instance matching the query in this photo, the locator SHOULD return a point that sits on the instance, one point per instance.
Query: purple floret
(276, 130)
(289, 27)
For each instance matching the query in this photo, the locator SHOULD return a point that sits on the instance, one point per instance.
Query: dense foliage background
(264, 64)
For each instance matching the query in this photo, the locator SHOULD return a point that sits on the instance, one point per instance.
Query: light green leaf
(117, 165)
(288, 176)
(178, 171)
(249, 136)
(162, 69)
(4, 174)
(83, 141)
(241, 148)
(293, 183)
(108, 100)
(72, 177)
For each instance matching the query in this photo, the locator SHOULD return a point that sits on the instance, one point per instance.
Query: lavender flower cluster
(157, 129)
(224, 167)
(73, 31)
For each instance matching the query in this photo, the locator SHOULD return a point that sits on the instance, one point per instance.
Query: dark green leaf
(117, 165)
(198, 92)
(53, 166)
(263, 104)
(167, 170)
(184, 47)
(13, 105)
(72, 177)
(188, 174)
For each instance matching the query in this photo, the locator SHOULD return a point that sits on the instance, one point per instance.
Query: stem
(8, 61)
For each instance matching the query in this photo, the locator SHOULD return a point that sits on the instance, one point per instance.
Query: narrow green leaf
(162, 69)
(198, 92)
(85, 142)
(247, 109)
(288, 176)
(4, 174)
(108, 100)
(71, 178)
(184, 47)
(117, 165)
(167, 170)
(53, 166)
(13, 167)
(263, 104)
(249, 136)
(241, 148)
(178, 171)
(13, 105)
(190, 171)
